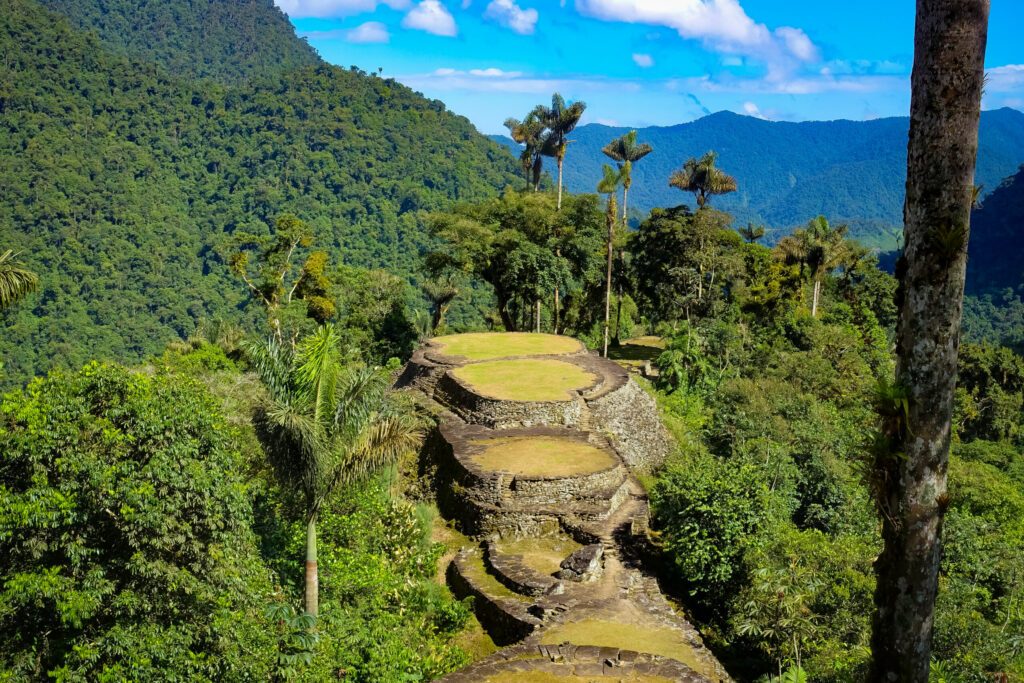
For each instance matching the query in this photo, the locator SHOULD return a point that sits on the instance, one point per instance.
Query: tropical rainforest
(212, 261)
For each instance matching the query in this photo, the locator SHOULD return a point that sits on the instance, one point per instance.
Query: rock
(584, 564)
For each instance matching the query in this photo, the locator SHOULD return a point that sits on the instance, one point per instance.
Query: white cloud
(752, 109)
(509, 14)
(643, 61)
(370, 32)
(431, 16)
(334, 8)
(722, 25)
(1008, 78)
(498, 81)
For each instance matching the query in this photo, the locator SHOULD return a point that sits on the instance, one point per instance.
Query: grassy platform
(544, 456)
(529, 379)
(545, 677)
(651, 639)
(543, 555)
(491, 345)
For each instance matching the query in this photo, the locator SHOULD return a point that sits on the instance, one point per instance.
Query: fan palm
(324, 425)
(703, 178)
(16, 281)
(441, 292)
(560, 119)
(627, 151)
(608, 185)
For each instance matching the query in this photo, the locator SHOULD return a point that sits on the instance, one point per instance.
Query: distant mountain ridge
(850, 171)
(996, 252)
(127, 173)
(224, 40)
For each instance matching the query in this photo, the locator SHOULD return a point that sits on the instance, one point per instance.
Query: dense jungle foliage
(124, 186)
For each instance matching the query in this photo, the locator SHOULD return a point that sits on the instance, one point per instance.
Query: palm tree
(819, 248)
(560, 119)
(752, 233)
(626, 151)
(530, 133)
(16, 281)
(441, 292)
(608, 185)
(324, 426)
(703, 179)
(912, 459)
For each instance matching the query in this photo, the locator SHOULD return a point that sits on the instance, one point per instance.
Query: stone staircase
(599, 616)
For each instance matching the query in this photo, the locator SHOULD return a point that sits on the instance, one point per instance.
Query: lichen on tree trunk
(911, 482)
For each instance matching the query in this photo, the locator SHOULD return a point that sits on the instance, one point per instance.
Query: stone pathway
(600, 617)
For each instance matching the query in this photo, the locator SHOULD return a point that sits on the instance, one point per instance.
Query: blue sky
(650, 62)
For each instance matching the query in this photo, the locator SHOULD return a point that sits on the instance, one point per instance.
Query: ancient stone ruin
(535, 457)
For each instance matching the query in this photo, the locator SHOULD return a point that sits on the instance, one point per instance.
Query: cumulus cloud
(431, 16)
(643, 61)
(1008, 78)
(751, 109)
(722, 25)
(335, 8)
(370, 32)
(509, 14)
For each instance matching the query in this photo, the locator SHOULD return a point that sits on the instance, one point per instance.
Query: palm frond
(272, 362)
(319, 369)
(16, 281)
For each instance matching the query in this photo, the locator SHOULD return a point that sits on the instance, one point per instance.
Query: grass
(490, 345)
(651, 639)
(543, 555)
(541, 456)
(537, 379)
(545, 677)
(479, 577)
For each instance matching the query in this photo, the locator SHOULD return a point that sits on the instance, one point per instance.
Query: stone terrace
(535, 457)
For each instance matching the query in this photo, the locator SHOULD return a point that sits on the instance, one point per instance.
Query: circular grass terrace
(479, 346)
(543, 555)
(541, 456)
(527, 379)
(547, 677)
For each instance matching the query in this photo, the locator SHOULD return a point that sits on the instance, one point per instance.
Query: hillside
(790, 172)
(997, 239)
(123, 184)
(227, 40)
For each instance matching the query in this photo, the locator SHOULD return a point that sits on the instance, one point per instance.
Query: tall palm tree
(609, 185)
(530, 133)
(561, 120)
(441, 292)
(819, 248)
(913, 454)
(16, 281)
(703, 178)
(324, 425)
(752, 233)
(627, 151)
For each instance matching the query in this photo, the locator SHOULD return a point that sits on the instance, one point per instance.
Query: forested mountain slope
(996, 252)
(123, 185)
(789, 173)
(228, 40)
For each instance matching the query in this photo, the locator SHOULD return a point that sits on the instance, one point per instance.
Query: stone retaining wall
(500, 414)
(629, 416)
(507, 621)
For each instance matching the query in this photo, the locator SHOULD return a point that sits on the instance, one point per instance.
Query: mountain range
(138, 138)
(788, 173)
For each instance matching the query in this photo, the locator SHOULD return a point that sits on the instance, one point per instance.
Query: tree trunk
(558, 253)
(537, 317)
(949, 50)
(814, 298)
(312, 587)
(608, 282)
(560, 161)
(625, 207)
